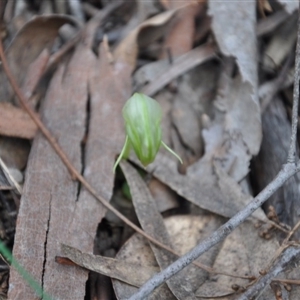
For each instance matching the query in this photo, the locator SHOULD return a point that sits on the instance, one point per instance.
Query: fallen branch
(288, 256)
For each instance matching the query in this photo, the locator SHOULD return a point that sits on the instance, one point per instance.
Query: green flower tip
(142, 116)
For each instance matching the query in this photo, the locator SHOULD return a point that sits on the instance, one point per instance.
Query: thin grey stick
(290, 255)
(219, 235)
(293, 143)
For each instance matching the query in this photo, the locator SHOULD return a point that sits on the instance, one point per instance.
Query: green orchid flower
(142, 116)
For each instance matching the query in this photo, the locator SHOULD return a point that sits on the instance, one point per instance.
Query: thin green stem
(124, 153)
(26, 276)
(170, 150)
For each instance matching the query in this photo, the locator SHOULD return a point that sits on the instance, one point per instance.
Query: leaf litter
(208, 87)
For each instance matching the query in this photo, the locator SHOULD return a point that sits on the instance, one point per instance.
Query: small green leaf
(142, 116)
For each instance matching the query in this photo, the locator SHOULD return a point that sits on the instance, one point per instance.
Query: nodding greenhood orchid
(142, 116)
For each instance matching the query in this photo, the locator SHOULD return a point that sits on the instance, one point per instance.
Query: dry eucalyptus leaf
(195, 92)
(35, 71)
(200, 189)
(36, 35)
(214, 290)
(187, 123)
(137, 251)
(165, 198)
(15, 122)
(242, 114)
(198, 87)
(165, 98)
(180, 65)
(232, 191)
(152, 223)
(289, 6)
(134, 274)
(148, 72)
(185, 232)
(243, 253)
(127, 50)
(144, 10)
(110, 87)
(234, 27)
(268, 24)
(281, 44)
(233, 136)
(180, 36)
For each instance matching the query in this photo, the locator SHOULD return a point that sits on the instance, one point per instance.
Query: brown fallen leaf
(129, 272)
(289, 6)
(15, 122)
(25, 48)
(165, 198)
(143, 11)
(180, 36)
(234, 27)
(237, 20)
(109, 88)
(233, 136)
(268, 24)
(242, 253)
(263, 7)
(187, 123)
(185, 232)
(194, 98)
(34, 74)
(128, 49)
(200, 189)
(38, 34)
(152, 222)
(180, 65)
(281, 43)
(239, 132)
(179, 41)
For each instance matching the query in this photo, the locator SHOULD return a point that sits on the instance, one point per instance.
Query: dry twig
(291, 254)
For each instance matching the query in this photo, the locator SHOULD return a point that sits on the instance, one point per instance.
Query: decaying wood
(50, 199)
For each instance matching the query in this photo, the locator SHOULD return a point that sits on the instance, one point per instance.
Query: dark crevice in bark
(84, 141)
